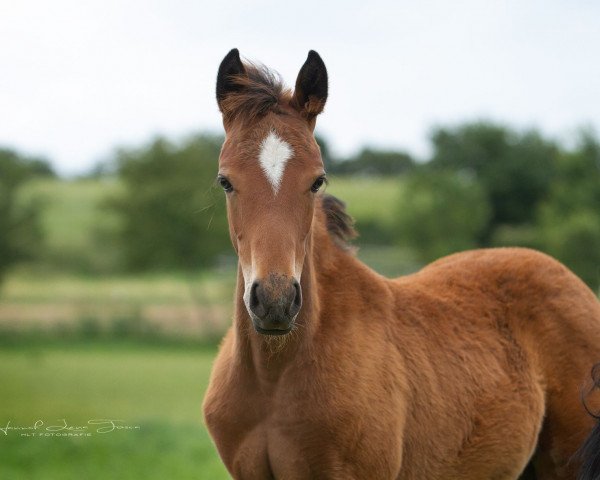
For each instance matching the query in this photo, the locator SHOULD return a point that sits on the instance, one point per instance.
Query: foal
(471, 368)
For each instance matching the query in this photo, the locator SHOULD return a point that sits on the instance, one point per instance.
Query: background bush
(172, 217)
(516, 170)
(440, 213)
(20, 230)
(568, 220)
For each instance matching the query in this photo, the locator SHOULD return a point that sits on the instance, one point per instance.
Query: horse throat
(274, 352)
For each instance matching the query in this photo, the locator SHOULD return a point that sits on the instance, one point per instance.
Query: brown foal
(472, 368)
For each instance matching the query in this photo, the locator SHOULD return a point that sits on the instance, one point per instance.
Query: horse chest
(275, 436)
(270, 450)
(255, 444)
(265, 453)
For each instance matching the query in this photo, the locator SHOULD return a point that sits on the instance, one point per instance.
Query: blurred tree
(515, 169)
(569, 220)
(325, 151)
(20, 230)
(373, 162)
(102, 169)
(37, 167)
(441, 213)
(173, 216)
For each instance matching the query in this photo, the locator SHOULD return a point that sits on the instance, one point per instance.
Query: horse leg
(564, 431)
(590, 455)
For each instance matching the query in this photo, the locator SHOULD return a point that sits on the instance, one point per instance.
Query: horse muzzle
(274, 303)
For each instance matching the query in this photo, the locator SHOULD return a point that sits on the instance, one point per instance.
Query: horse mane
(340, 225)
(258, 91)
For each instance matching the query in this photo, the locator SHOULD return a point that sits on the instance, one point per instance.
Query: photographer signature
(100, 425)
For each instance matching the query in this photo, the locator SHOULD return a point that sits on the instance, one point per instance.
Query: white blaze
(274, 154)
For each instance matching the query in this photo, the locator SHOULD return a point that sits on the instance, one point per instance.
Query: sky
(79, 78)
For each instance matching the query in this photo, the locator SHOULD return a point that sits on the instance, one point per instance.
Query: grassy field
(159, 389)
(369, 199)
(77, 225)
(166, 304)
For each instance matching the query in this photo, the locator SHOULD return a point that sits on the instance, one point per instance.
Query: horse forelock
(260, 90)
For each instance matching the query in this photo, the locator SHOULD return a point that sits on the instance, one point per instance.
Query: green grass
(72, 208)
(368, 198)
(28, 287)
(158, 389)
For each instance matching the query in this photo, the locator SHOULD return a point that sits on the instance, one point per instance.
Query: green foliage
(515, 169)
(440, 213)
(21, 234)
(576, 242)
(172, 216)
(326, 155)
(526, 235)
(373, 162)
(569, 220)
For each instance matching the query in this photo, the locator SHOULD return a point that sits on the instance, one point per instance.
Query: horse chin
(273, 326)
(273, 331)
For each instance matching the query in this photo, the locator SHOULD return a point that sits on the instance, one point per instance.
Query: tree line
(485, 184)
(20, 228)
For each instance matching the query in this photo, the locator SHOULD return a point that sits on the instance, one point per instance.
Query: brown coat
(449, 373)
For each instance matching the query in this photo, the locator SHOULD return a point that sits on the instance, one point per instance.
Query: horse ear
(230, 67)
(310, 93)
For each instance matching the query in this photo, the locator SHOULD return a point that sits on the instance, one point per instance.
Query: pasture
(159, 389)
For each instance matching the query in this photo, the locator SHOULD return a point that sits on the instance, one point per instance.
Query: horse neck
(269, 356)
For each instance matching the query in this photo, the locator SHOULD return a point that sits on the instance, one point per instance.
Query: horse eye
(226, 184)
(318, 184)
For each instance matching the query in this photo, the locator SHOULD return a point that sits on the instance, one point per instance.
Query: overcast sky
(78, 78)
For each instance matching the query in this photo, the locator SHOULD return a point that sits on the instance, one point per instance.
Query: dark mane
(340, 225)
(259, 90)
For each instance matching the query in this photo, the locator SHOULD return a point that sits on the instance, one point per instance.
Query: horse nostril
(256, 305)
(297, 299)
